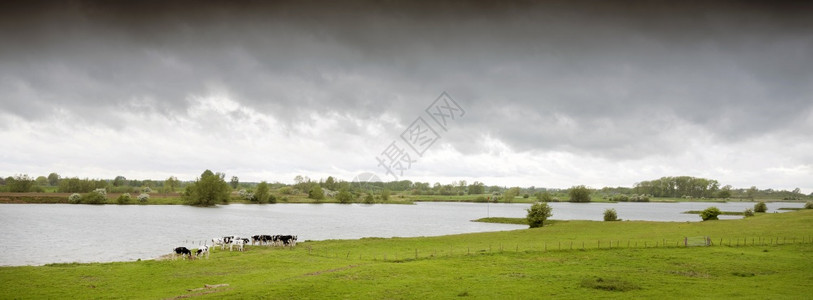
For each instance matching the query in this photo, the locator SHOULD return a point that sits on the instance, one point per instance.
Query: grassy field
(645, 261)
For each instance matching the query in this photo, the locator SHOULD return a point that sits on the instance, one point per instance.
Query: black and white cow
(239, 243)
(288, 240)
(183, 251)
(203, 250)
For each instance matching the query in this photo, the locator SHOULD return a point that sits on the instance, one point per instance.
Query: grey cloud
(621, 72)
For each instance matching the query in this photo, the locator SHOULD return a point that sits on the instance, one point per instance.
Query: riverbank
(177, 199)
(766, 256)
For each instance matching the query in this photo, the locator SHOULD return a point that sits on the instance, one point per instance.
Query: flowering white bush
(101, 191)
(246, 195)
(75, 198)
(143, 197)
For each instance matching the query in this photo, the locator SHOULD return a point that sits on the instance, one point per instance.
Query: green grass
(499, 220)
(519, 264)
(726, 213)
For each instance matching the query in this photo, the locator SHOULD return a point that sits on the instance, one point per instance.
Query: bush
(760, 207)
(369, 199)
(620, 198)
(526, 196)
(286, 190)
(208, 190)
(809, 205)
(610, 215)
(385, 195)
(480, 199)
(579, 193)
(101, 191)
(710, 213)
(316, 193)
(123, 199)
(246, 195)
(75, 198)
(262, 195)
(94, 197)
(544, 197)
(143, 197)
(344, 196)
(538, 213)
(748, 212)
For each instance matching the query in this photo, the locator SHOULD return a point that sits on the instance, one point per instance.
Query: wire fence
(405, 254)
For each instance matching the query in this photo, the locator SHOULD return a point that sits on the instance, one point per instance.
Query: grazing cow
(182, 251)
(239, 243)
(288, 240)
(217, 241)
(266, 239)
(203, 250)
(256, 239)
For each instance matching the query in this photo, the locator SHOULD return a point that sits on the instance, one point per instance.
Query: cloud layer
(556, 93)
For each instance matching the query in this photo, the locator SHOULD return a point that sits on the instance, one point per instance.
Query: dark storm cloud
(601, 78)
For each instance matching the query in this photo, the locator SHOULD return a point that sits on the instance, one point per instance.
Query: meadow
(766, 256)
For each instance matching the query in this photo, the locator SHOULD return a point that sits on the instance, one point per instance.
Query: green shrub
(620, 198)
(369, 199)
(208, 190)
(809, 205)
(480, 199)
(748, 212)
(385, 195)
(526, 196)
(344, 196)
(710, 213)
(75, 198)
(316, 193)
(579, 193)
(610, 215)
(544, 197)
(123, 199)
(538, 213)
(94, 197)
(760, 207)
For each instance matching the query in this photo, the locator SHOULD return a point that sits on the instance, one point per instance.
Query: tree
(119, 181)
(316, 193)
(20, 183)
(725, 192)
(510, 194)
(544, 197)
(385, 195)
(610, 215)
(579, 193)
(41, 181)
(751, 192)
(369, 199)
(171, 183)
(710, 213)
(53, 179)
(234, 182)
(261, 194)
(299, 179)
(344, 196)
(330, 183)
(208, 190)
(760, 207)
(538, 213)
(476, 188)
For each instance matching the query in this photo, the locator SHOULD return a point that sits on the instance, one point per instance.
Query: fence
(429, 252)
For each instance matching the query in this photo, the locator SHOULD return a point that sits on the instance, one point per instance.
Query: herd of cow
(239, 242)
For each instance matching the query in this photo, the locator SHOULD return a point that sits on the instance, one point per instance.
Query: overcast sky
(551, 94)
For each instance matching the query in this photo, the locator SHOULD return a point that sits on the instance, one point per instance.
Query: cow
(288, 240)
(266, 239)
(183, 251)
(239, 243)
(203, 250)
(218, 241)
(256, 239)
(227, 240)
